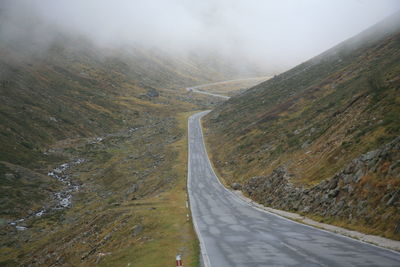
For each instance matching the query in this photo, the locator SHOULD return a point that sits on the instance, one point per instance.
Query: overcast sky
(267, 32)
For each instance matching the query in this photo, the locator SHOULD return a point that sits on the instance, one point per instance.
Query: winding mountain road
(234, 233)
(196, 89)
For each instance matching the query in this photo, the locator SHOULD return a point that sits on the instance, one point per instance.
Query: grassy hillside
(111, 125)
(314, 119)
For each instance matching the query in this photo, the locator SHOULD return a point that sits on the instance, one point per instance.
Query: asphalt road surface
(234, 233)
(196, 90)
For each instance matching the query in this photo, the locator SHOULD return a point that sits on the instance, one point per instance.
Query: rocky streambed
(61, 199)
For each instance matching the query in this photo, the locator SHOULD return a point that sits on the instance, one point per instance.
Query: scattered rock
(136, 230)
(392, 199)
(397, 229)
(358, 175)
(305, 145)
(132, 189)
(333, 193)
(151, 92)
(53, 119)
(107, 237)
(236, 186)
(306, 209)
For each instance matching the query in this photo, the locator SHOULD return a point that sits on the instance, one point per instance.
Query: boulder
(151, 92)
(236, 186)
(136, 230)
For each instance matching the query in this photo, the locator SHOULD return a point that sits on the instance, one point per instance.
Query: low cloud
(273, 35)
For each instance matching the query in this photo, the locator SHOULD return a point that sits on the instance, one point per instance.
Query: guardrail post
(178, 261)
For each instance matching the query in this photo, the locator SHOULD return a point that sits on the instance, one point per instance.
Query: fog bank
(272, 35)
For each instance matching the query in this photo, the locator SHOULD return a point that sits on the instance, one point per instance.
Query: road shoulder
(370, 239)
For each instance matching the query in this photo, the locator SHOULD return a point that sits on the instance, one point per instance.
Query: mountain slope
(92, 144)
(310, 122)
(74, 79)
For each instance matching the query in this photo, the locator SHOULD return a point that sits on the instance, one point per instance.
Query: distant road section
(195, 89)
(201, 89)
(234, 233)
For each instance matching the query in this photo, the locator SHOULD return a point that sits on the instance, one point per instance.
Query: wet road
(233, 233)
(196, 90)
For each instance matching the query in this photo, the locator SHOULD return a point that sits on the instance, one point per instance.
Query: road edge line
(203, 250)
(274, 214)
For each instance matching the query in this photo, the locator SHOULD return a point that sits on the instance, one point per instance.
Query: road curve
(197, 87)
(196, 90)
(234, 233)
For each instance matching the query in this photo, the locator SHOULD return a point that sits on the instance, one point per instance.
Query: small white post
(178, 261)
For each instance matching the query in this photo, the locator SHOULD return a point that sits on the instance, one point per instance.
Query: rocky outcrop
(366, 191)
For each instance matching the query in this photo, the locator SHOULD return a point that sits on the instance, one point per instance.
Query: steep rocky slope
(301, 130)
(365, 192)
